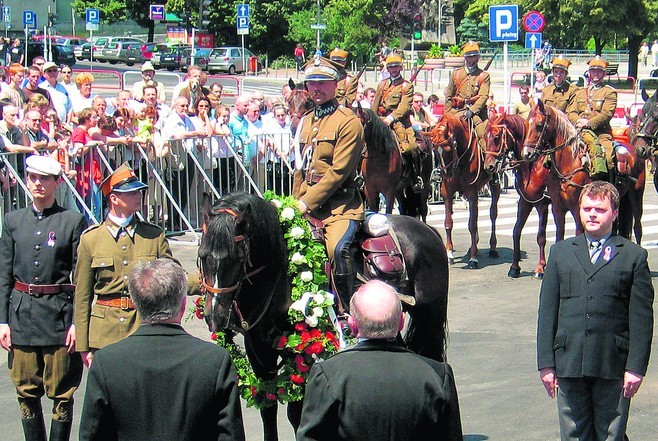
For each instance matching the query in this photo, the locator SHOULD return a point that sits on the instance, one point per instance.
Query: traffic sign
(157, 12)
(6, 10)
(534, 21)
(93, 16)
(533, 40)
(503, 23)
(318, 26)
(6, 18)
(29, 18)
(243, 19)
(243, 10)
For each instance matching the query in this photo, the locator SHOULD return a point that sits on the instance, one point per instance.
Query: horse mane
(378, 136)
(258, 220)
(300, 101)
(563, 126)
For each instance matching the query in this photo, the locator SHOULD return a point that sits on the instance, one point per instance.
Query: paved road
(492, 322)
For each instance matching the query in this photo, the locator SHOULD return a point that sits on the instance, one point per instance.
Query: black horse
(644, 135)
(243, 260)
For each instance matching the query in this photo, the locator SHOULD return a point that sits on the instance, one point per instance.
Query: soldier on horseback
(347, 84)
(393, 101)
(331, 143)
(591, 111)
(560, 93)
(467, 92)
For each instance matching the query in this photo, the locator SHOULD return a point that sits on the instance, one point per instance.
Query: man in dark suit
(379, 390)
(160, 382)
(595, 322)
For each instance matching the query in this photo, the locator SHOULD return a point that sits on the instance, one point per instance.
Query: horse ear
(645, 95)
(206, 207)
(540, 105)
(292, 84)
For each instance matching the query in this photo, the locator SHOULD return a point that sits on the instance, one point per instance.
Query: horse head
(299, 102)
(646, 138)
(536, 134)
(495, 136)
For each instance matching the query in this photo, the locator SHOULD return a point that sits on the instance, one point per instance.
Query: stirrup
(436, 176)
(418, 185)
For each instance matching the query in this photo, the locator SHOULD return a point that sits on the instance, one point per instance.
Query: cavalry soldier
(37, 254)
(393, 103)
(347, 84)
(331, 144)
(467, 91)
(591, 111)
(106, 255)
(560, 93)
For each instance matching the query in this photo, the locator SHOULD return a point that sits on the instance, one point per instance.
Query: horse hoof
(451, 256)
(451, 260)
(473, 264)
(538, 276)
(514, 273)
(494, 254)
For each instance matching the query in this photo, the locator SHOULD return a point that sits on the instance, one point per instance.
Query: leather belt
(122, 302)
(42, 290)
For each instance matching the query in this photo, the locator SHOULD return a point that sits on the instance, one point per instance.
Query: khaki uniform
(346, 91)
(559, 97)
(598, 105)
(395, 98)
(106, 256)
(469, 90)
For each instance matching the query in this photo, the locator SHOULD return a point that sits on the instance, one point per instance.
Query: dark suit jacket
(162, 384)
(380, 391)
(595, 320)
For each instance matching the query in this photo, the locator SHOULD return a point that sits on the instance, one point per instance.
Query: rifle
(488, 65)
(363, 69)
(415, 71)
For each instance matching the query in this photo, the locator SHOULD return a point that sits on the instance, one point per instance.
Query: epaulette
(149, 224)
(90, 228)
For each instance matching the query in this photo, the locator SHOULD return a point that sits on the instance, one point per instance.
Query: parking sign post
(93, 19)
(503, 27)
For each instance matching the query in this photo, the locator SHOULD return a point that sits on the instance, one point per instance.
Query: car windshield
(60, 40)
(221, 52)
(202, 52)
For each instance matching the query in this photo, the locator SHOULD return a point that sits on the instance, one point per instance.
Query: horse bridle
(501, 154)
(213, 292)
(652, 139)
(539, 145)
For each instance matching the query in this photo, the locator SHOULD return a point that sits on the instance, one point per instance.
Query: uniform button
(36, 263)
(588, 333)
(38, 233)
(125, 277)
(589, 280)
(315, 129)
(589, 297)
(124, 247)
(314, 139)
(37, 247)
(37, 279)
(122, 319)
(40, 217)
(588, 316)
(125, 263)
(123, 233)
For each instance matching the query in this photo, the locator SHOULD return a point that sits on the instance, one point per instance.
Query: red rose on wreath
(314, 348)
(300, 326)
(297, 379)
(301, 364)
(270, 396)
(282, 342)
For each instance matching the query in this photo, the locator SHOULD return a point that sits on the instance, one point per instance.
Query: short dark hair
(158, 288)
(601, 190)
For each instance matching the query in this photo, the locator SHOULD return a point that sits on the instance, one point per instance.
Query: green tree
(472, 30)
(112, 11)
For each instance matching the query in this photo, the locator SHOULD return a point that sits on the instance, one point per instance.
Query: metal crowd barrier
(176, 182)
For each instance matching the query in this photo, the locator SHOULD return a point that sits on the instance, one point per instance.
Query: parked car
(61, 54)
(228, 59)
(158, 52)
(83, 52)
(175, 57)
(200, 59)
(110, 43)
(71, 42)
(128, 52)
(149, 48)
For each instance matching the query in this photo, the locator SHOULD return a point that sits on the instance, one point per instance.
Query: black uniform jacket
(595, 320)
(41, 249)
(379, 390)
(161, 383)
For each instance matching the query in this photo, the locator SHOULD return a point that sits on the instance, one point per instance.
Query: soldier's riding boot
(598, 169)
(60, 430)
(344, 287)
(417, 185)
(32, 419)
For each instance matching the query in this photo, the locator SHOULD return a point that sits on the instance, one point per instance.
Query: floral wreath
(312, 336)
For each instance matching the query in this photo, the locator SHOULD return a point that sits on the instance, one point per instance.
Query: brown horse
(504, 136)
(461, 164)
(644, 135)
(549, 132)
(299, 102)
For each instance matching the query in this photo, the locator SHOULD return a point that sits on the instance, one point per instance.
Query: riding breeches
(406, 138)
(598, 144)
(36, 370)
(339, 235)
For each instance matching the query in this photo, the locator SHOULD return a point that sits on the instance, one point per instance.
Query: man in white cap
(148, 72)
(59, 96)
(38, 251)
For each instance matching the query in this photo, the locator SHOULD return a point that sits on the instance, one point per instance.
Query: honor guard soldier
(393, 103)
(37, 255)
(106, 255)
(467, 91)
(591, 111)
(560, 93)
(347, 84)
(331, 144)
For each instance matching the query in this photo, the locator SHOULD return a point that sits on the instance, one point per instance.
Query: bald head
(376, 311)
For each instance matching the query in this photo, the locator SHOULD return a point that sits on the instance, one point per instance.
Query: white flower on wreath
(297, 258)
(296, 232)
(277, 203)
(306, 276)
(288, 213)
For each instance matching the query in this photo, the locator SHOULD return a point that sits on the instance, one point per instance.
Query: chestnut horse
(504, 136)
(549, 132)
(461, 164)
(644, 136)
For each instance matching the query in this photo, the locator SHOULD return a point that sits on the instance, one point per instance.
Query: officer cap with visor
(122, 180)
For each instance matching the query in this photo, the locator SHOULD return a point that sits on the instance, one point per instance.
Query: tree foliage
(112, 11)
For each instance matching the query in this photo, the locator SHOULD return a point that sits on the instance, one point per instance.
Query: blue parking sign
(93, 16)
(29, 18)
(504, 23)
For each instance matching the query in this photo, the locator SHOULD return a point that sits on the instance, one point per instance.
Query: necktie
(594, 250)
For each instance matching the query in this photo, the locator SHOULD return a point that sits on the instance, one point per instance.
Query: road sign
(318, 26)
(533, 40)
(243, 10)
(503, 23)
(533, 21)
(91, 26)
(93, 16)
(6, 10)
(6, 18)
(157, 12)
(243, 19)
(29, 18)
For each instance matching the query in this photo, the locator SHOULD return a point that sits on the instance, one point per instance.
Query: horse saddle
(382, 258)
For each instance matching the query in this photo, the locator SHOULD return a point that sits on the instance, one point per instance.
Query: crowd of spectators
(181, 142)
